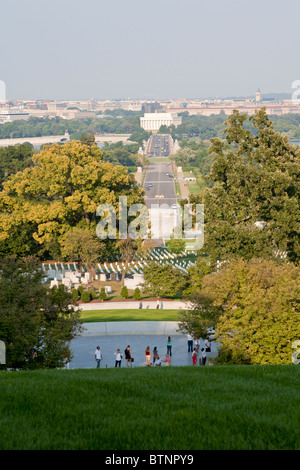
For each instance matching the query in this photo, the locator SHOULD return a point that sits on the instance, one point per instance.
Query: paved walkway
(83, 349)
(151, 304)
(183, 184)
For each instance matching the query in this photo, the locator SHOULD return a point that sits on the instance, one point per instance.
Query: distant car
(150, 185)
(147, 188)
(174, 206)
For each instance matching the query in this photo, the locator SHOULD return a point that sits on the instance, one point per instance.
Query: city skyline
(192, 50)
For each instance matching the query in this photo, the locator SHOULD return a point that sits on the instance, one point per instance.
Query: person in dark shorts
(127, 353)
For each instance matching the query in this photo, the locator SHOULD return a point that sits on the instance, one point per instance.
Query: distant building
(258, 95)
(10, 116)
(152, 107)
(153, 121)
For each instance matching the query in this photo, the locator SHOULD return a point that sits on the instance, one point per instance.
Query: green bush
(93, 293)
(85, 296)
(75, 294)
(80, 290)
(103, 295)
(124, 292)
(137, 294)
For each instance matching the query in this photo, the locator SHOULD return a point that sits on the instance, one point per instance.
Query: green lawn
(129, 315)
(176, 408)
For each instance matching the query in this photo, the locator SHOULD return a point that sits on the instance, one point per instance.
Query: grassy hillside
(183, 408)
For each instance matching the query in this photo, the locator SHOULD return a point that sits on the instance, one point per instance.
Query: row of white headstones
(68, 273)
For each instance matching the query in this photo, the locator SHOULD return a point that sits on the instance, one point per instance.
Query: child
(194, 357)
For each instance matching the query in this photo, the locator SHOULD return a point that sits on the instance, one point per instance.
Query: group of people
(153, 359)
(194, 346)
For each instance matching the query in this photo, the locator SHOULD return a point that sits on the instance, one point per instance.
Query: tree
(13, 159)
(124, 292)
(256, 184)
(201, 319)
(257, 305)
(131, 249)
(163, 280)
(103, 295)
(81, 246)
(184, 156)
(175, 245)
(137, 294)
(64, 188)
(36, 323)
(85, 296)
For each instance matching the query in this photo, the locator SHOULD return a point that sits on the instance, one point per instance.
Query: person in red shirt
(194, 357)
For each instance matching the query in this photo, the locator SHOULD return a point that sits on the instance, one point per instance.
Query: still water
(83, 350)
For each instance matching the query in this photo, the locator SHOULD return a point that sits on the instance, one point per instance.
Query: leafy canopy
(256, 175)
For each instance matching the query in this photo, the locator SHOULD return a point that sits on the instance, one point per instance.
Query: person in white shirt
(118, 358)
(157, 361)
(98, 356)
(203, 357)
(207, 345)
(197, 344)
(190, 343)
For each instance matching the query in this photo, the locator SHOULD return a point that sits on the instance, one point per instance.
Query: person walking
(194, 357)
(157, 304)
(148, 355)
(190, 343)
(98, 357)
(203, 357)
(119, 358)
(127, 353)
(140, 305)
(169, 346)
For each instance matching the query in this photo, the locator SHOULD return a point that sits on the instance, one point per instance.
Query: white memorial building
(153, 121)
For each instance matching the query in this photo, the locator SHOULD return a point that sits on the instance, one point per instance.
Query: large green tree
(253, 208)
(259, 302)
(163, 279)
(36, 323)
(13, 159)
(63, 189)
(253, 306)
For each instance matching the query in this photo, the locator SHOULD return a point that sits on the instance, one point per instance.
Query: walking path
(134, 304)
(182, 183)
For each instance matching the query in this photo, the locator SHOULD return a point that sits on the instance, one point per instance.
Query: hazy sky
(81, 49)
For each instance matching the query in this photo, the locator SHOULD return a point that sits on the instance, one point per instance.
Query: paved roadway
(160, 145)
(161, 185)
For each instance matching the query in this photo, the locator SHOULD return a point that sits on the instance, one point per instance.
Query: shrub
(75, 294)
(92, 293)
(137, 294)
(103, 295)
(80, 290)
(85, 296)
(124, 292)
